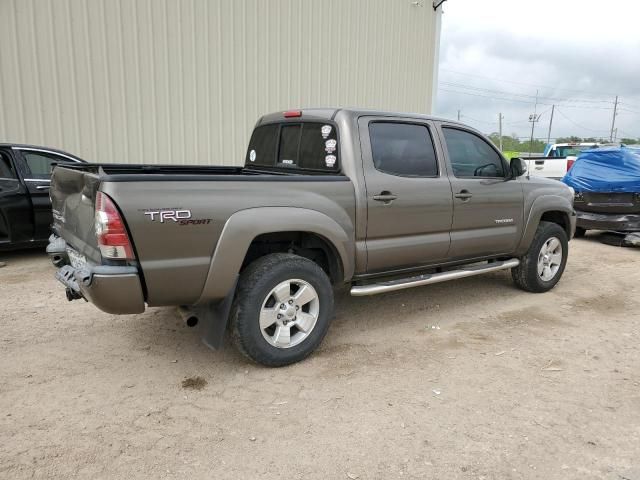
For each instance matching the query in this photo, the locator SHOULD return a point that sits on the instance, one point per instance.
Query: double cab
(327, 198)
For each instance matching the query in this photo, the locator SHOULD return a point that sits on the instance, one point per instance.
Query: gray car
(328, 198)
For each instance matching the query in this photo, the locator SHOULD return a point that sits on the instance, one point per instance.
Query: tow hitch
(66, 276)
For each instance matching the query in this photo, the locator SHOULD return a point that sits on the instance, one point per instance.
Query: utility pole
(553, 107)
(613, 121)
(533, 118)
(500, 117)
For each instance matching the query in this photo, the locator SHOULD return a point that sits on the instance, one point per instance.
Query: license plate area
(77, 260)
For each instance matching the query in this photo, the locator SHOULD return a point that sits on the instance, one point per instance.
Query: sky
(578, 54)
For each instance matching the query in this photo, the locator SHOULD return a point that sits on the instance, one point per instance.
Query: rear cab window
(311, 146)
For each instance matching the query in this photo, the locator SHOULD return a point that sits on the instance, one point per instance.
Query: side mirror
(518, 167)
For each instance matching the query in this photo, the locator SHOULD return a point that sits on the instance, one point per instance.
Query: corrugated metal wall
(183, 81)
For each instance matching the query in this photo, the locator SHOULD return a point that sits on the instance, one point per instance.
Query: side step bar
(401, 284)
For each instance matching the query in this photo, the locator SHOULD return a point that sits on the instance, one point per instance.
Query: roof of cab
(331, 113)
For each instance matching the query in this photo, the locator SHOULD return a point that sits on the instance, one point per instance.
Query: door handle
(464, 195)
(42, 187)
(385, 196)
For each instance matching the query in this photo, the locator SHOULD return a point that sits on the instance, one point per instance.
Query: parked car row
(606, 182)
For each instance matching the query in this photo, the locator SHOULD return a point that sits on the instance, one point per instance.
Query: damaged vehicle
(328, 198)
(607, 189)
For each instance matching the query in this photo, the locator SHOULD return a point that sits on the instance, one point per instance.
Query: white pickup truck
(557, 159)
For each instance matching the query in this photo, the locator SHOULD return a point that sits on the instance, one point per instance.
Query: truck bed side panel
(175, 255)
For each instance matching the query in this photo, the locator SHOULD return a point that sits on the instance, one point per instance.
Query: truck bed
(182, 252)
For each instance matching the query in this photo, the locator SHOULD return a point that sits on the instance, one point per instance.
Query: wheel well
(561, 218)
(309, 245)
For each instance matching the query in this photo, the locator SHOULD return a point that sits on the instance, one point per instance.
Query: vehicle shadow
(22, 256)
(357, 320)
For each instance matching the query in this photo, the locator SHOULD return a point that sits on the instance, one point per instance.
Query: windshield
(570, 150)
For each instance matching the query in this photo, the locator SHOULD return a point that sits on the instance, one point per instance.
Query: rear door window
(6, 169)
(403, 149)
(309, 146)
(40, 164)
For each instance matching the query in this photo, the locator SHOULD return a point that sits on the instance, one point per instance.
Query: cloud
(579, 55)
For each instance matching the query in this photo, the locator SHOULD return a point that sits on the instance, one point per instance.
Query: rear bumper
(113, 289)
(608, 221)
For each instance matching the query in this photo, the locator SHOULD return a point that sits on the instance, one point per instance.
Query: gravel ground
(467, 379)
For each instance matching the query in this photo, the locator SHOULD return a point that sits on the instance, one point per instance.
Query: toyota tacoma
(327, 198)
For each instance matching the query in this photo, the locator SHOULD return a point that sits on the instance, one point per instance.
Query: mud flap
(215, 317)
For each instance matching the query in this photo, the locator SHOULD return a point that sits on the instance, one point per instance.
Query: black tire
(255, 283)
(526, 275)
(579, 232)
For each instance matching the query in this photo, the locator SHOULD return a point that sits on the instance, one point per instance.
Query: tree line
(514, 144)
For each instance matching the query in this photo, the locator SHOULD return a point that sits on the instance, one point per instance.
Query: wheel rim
(289, 313)
(549, 259)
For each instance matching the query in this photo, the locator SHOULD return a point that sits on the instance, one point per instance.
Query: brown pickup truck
(327, 198)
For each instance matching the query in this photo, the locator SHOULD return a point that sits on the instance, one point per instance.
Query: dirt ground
(467, 379)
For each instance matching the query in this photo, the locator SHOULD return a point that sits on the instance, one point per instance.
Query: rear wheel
(579, 232)
(542, 266)
(282, 309)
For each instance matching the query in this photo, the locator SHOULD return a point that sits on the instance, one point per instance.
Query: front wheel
(542, 266)
(282, 309)
(580, 232)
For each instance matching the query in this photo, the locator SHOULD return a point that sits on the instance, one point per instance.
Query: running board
(427, 279)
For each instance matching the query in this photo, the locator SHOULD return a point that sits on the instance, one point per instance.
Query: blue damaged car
(607, 189)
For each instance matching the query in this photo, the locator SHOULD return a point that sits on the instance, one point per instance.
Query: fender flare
(244, 226)
(541, 205)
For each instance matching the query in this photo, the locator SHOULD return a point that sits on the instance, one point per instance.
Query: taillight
(111, 233)
(570, 163)
(293, 113)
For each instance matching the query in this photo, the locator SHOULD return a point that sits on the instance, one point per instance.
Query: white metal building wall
(183, 81)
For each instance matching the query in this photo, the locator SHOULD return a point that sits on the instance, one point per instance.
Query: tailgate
(609, 202)
(73, 192)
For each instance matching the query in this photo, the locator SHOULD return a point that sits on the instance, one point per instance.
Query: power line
(628, 134)
(493, 97)
(506, 99)
(478, 120)
(516, 94)
(577, 124)
(527, 84)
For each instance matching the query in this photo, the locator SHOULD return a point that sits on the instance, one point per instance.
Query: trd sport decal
(181, 217)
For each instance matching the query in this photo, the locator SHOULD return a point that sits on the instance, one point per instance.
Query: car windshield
(570, 150)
